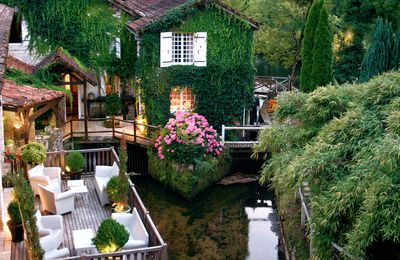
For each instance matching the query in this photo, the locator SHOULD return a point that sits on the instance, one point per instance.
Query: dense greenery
(344, 141)
(356, 19)
(219, 97)
(377, 58)
(75, 161)
(321, 73)
(113, 104)
(37, 80)
(34, 153)
(13, 213)
(23, 194)
(110, 236)
(308, 46)
(188, 180)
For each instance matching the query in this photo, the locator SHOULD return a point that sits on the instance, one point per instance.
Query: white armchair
(102, 175)
(138, 236)
(50, 249)
(51, 226)
(43, 176)
(55, 201)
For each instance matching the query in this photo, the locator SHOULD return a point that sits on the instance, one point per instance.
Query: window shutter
(165, 49)
(200, 49)
(118, 47)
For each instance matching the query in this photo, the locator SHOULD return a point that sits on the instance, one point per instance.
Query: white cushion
(115, 170)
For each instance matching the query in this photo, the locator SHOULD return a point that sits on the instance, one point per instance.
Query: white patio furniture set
(46, 182)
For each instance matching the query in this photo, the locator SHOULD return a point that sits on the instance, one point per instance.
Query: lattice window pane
(182, 48)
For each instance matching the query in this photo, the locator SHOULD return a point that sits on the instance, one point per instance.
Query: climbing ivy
(84, 28)
(222, 88)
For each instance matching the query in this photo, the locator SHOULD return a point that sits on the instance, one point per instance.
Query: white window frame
(182, 100)
(198, 46)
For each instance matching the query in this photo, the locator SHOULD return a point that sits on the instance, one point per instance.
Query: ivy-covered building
(192, 55)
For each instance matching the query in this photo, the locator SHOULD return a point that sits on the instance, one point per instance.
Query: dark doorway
(73, 111)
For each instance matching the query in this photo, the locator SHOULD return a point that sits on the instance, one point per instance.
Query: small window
(181, 99)
(183, 49)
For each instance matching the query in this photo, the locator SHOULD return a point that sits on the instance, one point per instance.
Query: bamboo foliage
(344, 141)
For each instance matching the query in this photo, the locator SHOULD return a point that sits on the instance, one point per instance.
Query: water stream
(226, 222)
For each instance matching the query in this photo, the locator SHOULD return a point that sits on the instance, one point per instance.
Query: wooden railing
(93, 157)
(157, 248)
(133, 130)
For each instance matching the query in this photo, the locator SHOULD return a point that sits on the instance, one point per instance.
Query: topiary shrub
(13, 212)
(75, 161)
(110, 236)
(34, 153)
(114, 191)
(113, 104)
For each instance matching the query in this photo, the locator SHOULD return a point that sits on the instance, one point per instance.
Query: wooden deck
(88, 214)
(134, 132)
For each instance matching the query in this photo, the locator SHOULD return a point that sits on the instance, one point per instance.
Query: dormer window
(183, 49)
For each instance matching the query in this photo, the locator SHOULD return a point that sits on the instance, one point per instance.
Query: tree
(322, 52)
(358, 15)
(395, 56)
(308, 45)
(377, 58)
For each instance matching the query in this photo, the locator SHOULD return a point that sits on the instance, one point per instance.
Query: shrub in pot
(34, 153)
(117, 191)
(113, 107)
(110, 236)
(74, 164)
(15, 222)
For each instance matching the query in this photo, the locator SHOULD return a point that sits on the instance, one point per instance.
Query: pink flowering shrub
(188, 137)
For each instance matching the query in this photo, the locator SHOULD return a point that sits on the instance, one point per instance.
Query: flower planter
(126, 209)
(17, 231)
(187, 180)
(75, 175)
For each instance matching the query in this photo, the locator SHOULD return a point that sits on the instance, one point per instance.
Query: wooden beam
(60, 112)
(85, 108)
(42, 110)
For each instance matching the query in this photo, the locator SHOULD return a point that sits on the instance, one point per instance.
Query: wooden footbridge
(246, 136)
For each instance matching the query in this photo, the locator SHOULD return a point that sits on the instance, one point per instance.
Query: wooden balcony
(133, 130)
(88, 212)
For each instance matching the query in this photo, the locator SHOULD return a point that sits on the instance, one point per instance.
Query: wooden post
(62, 161)
(71, 130)
(134, 131)
(85, 108)
(113, 127)
(26, 125)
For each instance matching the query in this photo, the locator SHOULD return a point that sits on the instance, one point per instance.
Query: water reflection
(223, 223)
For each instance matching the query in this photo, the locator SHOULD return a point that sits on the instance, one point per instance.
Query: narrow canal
(226, 222)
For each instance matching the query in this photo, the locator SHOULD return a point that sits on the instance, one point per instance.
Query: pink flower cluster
(188, 130)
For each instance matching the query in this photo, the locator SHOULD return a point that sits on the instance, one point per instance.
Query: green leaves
(345, 142)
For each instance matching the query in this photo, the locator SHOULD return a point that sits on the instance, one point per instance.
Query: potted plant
(74, 165)
(117, 191)
(15, 223)
(34, 153)
(110, 236)
(113, 107)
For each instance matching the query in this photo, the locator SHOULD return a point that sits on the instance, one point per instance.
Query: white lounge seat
(51, 251)
(102, 175)
(50, 226)
(55, 201)
(138, 236)
(43, 176)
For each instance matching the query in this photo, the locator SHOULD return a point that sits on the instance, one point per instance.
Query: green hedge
(188, 180)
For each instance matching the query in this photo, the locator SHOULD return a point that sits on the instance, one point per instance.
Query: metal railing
(243, 135)
(305, 217)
